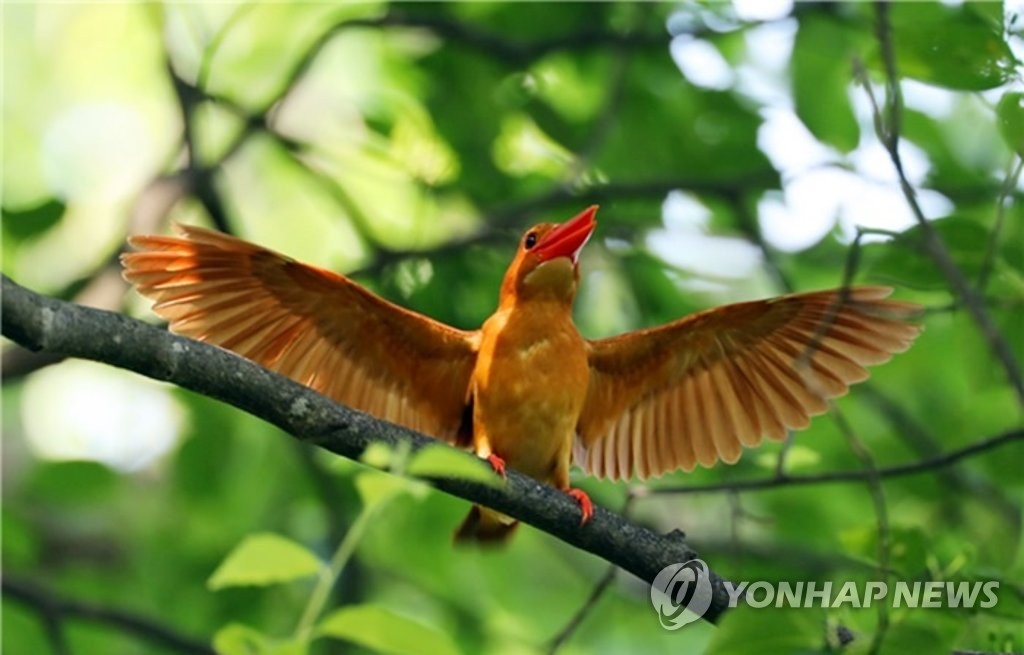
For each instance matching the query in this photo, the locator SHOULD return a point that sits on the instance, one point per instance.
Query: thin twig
(515, 214)
(518, 214)
(199, 175)
(780, 461)
(1009, 184)
(606, 117)
(490, 44)
(596, 593)
(883, 550)
(920, 439)
(748, 224)
(921, 466)
(888, 129)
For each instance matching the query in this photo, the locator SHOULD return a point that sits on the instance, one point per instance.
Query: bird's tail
(486, 527)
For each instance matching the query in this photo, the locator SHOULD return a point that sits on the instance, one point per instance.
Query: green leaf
(288, 647)
(1010, 112)
(238, 639)
(378, 455)
(264, 559)
(821, 74)
(22, 224)
(439, 461)
(376, 488)
(768, 630)
(384, 631)
(954, 47)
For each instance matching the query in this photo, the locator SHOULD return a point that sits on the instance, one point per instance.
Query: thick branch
(42, 323)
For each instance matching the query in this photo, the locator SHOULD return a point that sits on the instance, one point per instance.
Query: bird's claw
(498, 464)
(586, 507)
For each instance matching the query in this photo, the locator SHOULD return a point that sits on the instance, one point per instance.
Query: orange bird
(526, 389)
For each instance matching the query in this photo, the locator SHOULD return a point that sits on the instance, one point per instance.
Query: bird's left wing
(700, 388)
(314, 326)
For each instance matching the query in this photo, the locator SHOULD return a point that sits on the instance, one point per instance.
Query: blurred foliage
(408, 144)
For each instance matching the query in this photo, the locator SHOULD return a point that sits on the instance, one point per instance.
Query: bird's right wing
(314, 326)
(700, 388)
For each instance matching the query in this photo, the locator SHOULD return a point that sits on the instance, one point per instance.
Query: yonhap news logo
(681, 593)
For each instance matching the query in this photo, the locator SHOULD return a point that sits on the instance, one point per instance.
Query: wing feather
(316, 327)
(703, 387)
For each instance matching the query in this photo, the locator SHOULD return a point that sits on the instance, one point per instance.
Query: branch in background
(748, 224)
(884, 532)
(1009, 184)
(806, 560)
(41, 323)
(924, 443)
(516, 53)
(521, 213)
(596, 593)
(103, 287)
(491, 44)
(888, 130)
(55, 609)
(922, 466)
(605, 118)
(199, 175)
(512, 215)
(872, 478)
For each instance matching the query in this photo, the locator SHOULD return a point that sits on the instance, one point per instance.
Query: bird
(526, 390)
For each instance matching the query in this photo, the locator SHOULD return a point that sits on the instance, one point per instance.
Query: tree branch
(925, 444)
(490, 44)
(884, 534)
(922, 466)
(42, 323)
(888, 128)
(595, 595)
(55, 609)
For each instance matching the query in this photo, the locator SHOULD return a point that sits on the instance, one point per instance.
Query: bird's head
(545, 265)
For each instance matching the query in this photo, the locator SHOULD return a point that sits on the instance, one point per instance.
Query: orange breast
(530, 383)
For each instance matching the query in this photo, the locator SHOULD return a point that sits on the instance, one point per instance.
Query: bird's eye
(531, 240)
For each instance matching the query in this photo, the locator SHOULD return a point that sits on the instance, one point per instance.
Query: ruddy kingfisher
(526, 389)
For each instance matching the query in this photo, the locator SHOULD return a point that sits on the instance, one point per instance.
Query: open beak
(568, 239)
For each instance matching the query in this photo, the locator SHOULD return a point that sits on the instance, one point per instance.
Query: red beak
(568, 239)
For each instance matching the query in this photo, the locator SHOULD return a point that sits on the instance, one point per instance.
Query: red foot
(498, 464)
(583, 499)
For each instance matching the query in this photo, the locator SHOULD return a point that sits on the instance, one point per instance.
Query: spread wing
(700, 388)
(316, 327)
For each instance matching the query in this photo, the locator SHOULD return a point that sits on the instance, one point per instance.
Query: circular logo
(680, 587)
